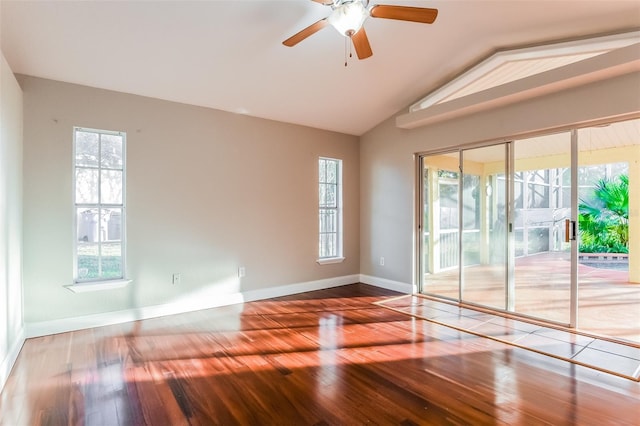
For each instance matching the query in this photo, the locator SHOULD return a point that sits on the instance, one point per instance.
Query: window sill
(97, 285)
(330, 260)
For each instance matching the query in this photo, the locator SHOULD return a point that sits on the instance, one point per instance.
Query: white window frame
(101, 282)
(338, 255)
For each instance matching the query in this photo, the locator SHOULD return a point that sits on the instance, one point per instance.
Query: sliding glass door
(542, 227)
(484, 210)
(440, 225)
(609, 245)
(497, 227)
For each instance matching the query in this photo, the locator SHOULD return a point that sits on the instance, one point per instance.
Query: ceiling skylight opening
(510, 65)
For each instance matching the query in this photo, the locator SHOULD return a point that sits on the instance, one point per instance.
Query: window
(330, 210)
(99, 205)
(538, 186)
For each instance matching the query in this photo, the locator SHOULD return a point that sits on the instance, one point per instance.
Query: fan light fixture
(348, 18)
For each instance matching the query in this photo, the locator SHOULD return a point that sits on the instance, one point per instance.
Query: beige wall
(11, 321)
(387, 168)
(207, 191)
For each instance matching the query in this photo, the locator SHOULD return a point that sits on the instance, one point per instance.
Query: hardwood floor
(321, 358)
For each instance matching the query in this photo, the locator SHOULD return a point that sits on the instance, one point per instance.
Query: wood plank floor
(321, 358)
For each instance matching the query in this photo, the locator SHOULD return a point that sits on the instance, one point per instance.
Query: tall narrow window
(99, 201)
(330, 210)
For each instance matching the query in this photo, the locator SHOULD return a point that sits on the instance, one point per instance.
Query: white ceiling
(229, 55)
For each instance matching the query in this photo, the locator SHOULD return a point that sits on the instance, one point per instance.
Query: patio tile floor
(608, 304)
(620, 358)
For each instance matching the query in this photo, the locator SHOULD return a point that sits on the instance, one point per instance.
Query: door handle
(569, 230)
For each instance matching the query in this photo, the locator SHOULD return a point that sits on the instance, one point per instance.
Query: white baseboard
(44, 328)
(388, 284)
(286, 290)
(10, 359)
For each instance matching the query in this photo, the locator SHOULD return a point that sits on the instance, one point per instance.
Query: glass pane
(518, 191)
(538, 196)
(542, 271)
(326, 251)
(617, 169)
(539, 177)
(86, 186)
(88, 261)
(111, 224)
(471, 200)
(448, 203)
(322, 246)
(328, 195)
(111, 186)
(86, 149)
(88, 223)
(588, 175)
(328, 221)
(538, 240)
(484, 240)
(322, 195)
(426, 217)
(322, 170)
(332, 171)
(519, 243)
(566, 196)
(111, 146)
(609, 230)
(111, 260)
(332, 196)
(333, 244)
(328, 245)
(440, 228)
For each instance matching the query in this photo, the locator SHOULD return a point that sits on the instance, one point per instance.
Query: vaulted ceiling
(229, 55)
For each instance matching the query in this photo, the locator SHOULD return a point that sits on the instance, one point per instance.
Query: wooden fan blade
(405, 13)
(301, 35)
(361, 43)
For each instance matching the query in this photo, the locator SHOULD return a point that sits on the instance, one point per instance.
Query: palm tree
(604, 219)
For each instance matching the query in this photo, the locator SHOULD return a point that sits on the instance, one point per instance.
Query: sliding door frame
(420, 226)
(573, 237)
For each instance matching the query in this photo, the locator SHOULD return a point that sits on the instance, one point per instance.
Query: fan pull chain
(347, 41)
(345, 51)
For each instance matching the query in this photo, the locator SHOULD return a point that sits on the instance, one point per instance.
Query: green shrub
(604, 218)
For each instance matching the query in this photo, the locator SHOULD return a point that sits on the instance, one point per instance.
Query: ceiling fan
(348, 16)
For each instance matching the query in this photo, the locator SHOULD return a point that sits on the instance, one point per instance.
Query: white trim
(99, 204)
(44, 328)
(97, 285)
(339, 205)
(286, 290)
(330, 260)
(595, 45)
(388, 284)
(12, 355)
(618, 62)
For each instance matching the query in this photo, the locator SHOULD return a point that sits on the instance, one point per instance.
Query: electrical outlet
(176, 278)
(382, 261)
(241, 272)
